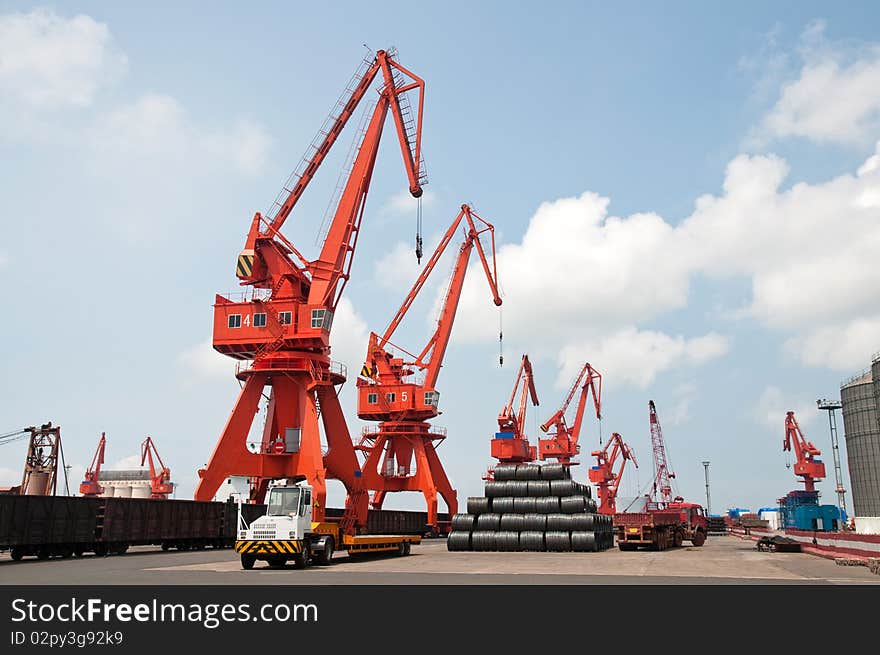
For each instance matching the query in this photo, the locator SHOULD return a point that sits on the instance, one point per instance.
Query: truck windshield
(283, 502)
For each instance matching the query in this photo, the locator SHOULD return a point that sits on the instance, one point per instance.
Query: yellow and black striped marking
(268, 547)
(366, 372)
(245, 265)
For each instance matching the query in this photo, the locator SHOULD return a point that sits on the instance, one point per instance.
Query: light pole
(708, 502)
(831, 406)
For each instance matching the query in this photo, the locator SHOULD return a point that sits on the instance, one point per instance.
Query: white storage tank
(140, 491)
(109, 491)
(123, 491)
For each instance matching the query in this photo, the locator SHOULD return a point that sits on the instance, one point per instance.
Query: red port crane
(603, 475)
(160, 479)
(562, 443)
(399, 390)
(89, 486)
(811, 469)
(282, 321)
(511, 445)
(662, 488)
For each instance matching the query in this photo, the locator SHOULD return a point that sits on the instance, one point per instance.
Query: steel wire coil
(584, 542)
(531, 540)
(557, 541)
(534, 522)
(478, 505)
(507, 541)
(547, 505)
(488, 522)
(512, 523)
(528, 472)
(463, 522)
(457, 541)
(502, 505)
(525, 505)
(483, 541)
(539, 488)
(504, 472)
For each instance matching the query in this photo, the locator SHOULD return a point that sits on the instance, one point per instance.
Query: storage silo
(862, 433)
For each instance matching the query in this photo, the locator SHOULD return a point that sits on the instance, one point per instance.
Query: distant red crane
(390, 389)
(160, 478)
(810, 469)
(603, 474)
(511, 445)
(89, 486)
(662, 489)
(562, 443)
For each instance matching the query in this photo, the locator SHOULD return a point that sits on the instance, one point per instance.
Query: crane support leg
(291, 446)
(231, 450)
(450, 496)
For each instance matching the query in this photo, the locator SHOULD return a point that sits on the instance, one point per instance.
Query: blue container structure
(801, 511)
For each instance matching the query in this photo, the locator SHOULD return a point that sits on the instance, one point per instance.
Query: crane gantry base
(390, 452)
(301, 396)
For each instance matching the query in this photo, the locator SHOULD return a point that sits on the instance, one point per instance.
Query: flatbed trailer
(661, 528)
(639, 529)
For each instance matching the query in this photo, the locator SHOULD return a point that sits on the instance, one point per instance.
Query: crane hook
(500, 338)
(419, 231)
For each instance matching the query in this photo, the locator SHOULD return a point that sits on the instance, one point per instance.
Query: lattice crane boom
(662, 488)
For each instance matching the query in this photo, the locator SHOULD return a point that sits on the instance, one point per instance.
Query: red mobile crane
(511, 445)
(283, 321)
(563, 442)
(160, 480)
(807, 466)
(89, 486)
(603, 474)
(388, 392)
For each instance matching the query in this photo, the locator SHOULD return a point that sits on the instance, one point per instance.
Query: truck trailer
(661, 527)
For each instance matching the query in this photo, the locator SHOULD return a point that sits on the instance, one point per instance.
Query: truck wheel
(16, 554)
(407, 546)
(678, 539)
(699, 538)
(43, 553)
(248, 561)
(324, 559)
(301, 560)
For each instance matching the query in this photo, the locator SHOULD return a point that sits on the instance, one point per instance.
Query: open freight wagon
(62, 526)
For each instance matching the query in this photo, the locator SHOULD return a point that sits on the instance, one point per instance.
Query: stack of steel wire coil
(530, 507)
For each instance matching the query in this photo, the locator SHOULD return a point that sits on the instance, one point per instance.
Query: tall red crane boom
(283, 323)
(563, 442)
(662, 488)
(389, 392)
(603, 474)
(90, 486)
(808, 467)
(511, 445)
(160, 478)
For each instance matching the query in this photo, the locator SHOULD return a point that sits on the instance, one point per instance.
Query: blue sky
(687, 196)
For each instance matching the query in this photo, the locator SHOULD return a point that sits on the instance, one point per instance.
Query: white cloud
(843, 347)
(808, 250)
(683, 395)
(156, 127)
(403, 204)
(49, 61)
(835, 97)
(130, 462)
(202, 363)
(4, 260)
(773, 405)
(350, 336)
(631, 356)
(398, 269)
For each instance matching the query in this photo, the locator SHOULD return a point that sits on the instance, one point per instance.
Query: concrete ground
(723, 560)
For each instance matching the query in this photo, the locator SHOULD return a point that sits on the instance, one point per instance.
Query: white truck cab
(285, 531)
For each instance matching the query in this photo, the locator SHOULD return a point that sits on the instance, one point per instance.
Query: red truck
(660, 527)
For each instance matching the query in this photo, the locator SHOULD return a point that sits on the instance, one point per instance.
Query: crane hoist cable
(419, 230)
